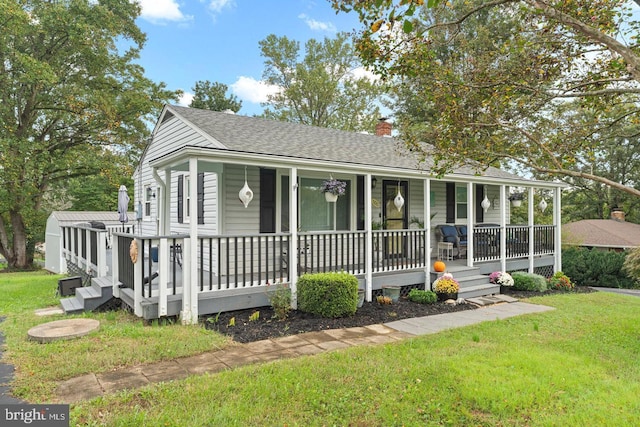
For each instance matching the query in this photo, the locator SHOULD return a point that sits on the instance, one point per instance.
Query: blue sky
(217, 40)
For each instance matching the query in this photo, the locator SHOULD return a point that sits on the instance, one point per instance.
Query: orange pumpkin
(439, 266)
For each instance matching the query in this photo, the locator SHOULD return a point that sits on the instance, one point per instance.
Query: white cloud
(363, 73)
(158, 11)
(252, 90)
(216, 6)
(317, 25)
(185, 99)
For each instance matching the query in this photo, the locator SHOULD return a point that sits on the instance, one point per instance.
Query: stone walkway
(94, 385)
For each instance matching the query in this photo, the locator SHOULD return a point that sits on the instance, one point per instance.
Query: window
(148, 195)
(461, 202)
(316, 214)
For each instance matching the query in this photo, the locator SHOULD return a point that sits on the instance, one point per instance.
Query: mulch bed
(267, 326)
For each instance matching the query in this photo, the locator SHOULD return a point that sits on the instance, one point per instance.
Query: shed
(54, 260)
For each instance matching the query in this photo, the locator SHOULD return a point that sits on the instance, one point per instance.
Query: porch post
(101, 241)
(368, 259)
(503, 228)
(189, 313)
(165, 218)
(471, 206)
(115, 267)
(161, 202)
(531, 223)
(293, 230)
(137, 283)
(426, 187)
(87, 247)
(558, 234)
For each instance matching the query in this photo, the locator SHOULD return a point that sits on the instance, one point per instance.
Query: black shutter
(180, 199)
(360, 194)
(451, 203)
(267, 200)
(479, 199)
(201, 198)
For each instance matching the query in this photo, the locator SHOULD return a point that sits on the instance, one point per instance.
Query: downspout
(160, 229)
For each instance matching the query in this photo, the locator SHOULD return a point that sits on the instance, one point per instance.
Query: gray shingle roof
(72, 217)
(270, 137)
(602, 233)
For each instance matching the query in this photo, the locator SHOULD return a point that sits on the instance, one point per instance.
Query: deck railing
(84, 249)
(487, 241)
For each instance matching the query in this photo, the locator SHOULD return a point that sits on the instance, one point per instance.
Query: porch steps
(472, 283)
(90, 297)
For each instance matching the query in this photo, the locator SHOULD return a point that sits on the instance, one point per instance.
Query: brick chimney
(617, 215)
(383, 128)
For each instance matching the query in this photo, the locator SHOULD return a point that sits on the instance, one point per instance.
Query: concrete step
(71, 305)
(478, 291)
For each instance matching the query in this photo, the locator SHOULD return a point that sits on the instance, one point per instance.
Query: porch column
(293, 230)
(161, 197)
(531, 223)
(426, 200)
(503, 228)
(189, 313)
(558, 234)
(368, 260)
(471, 206)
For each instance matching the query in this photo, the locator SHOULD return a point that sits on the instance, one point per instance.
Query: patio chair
(449, 234)
(462, 238)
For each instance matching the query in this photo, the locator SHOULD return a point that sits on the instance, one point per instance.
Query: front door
(394, 218)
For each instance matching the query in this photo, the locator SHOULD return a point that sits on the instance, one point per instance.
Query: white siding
(238, 219)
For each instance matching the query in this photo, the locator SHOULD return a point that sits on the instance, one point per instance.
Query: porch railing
(84, 249)
(487, 241)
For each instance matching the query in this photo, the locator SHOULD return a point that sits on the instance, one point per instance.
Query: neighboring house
(613, 234)
(212, 253)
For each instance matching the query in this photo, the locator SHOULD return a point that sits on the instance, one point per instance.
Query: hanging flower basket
(516, 199)
(332, 188)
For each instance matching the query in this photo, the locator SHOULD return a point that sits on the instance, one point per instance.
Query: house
(614, 234)
(230, 205)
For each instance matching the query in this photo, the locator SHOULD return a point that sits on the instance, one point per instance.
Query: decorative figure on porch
(332, 188)
(542, 205)
(399, 200)
(246, 194)
(133, 251)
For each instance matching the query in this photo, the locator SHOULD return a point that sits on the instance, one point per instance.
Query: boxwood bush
(523, 281)
(328, 294)
(596, 268)
(422, 297)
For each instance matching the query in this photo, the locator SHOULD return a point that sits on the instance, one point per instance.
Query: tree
(69, 90)
(322, 89)
(507, 80)
(213, 96)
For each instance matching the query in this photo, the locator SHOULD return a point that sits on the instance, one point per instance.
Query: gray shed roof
(270, 137)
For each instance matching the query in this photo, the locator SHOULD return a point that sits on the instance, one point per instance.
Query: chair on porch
(449, 234)
(462, 238)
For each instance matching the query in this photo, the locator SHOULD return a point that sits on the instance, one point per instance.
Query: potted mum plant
(446, 287)
(501, 278)
(332, 188)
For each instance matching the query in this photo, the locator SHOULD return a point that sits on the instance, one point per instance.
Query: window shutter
(201, 198)
(451, 203)
(267, 200)
(180, 199)
(479, 199)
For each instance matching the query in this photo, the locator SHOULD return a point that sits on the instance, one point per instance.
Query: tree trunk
(13, 243)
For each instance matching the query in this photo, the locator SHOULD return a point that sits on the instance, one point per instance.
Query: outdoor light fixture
(542, 205)
(485, 202)
(374, 182)
(246, 194)
(399, 200)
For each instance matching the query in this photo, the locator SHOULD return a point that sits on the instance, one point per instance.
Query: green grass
(121, 340)
(573, 366)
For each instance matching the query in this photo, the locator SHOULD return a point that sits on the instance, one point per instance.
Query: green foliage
(213, 96)
(631, 265)
(523, 281)
(280, 300)
(596, 268)
(328, 294)
(422, 297)
(319, 89)
(70, 88)
(561, 281)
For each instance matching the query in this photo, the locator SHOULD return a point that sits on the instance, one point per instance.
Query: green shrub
(422, 297)
(596, 268)
(523, 281)
(631, 265)
(561, 281)
(328, 294)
